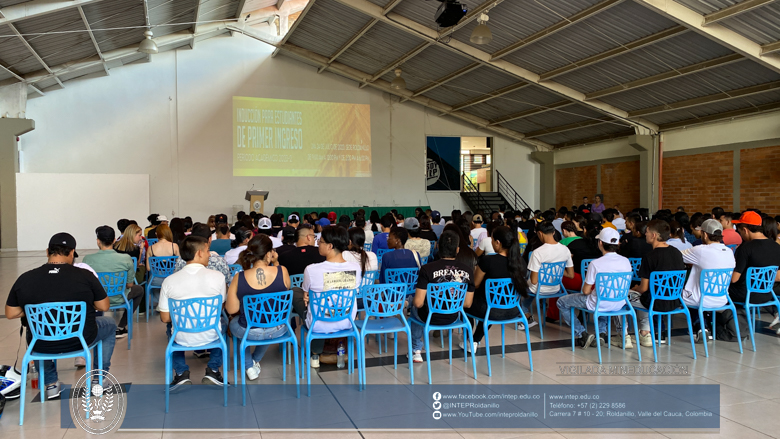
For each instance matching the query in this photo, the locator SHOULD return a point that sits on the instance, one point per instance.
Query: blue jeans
(417, 331)
(215, 356)
(106, 332)
(256, 334)
(578, 300)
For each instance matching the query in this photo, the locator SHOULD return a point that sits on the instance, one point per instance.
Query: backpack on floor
(725, 328)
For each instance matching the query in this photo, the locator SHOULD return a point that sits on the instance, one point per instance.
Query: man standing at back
(296, 260)
(550, 251)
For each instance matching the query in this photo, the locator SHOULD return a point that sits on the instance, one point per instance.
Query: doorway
(476, 163)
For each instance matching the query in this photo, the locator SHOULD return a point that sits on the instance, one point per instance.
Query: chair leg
(690, 331)
(467, 328)
(528, 343)
(571, 325)
(636, 331)
(503, 342)
(167, 379)
(129, 326)
(226, 369)
(294, 349)
(703, 325)
(307, 367)
(598, 337)
(739, 336)
(450, 334)
(22, 398)
(428, 355)
(487, 346)
(652, 337)
(409, 347)
(395, 351)
(751, 326)
(539, 316)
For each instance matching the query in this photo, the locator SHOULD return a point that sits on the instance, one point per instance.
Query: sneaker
(53, 390)
(201, 354)
(212, 377)
(585, 340)
(476, 346)
(121, 332)
(699, 337)
(531, 322)
(417, 357)
(603, 338)
(81, 362)
(179, 380)
(253, 372)
(775, 321)
(618, 341)
(521, 326)
(645, 340)
(315, 361)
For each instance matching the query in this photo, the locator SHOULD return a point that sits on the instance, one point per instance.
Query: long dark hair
(357, 237)
(517, 267)
(242, 233)
(258, 247)
(465, 253)
(375, 219)
(336, 236)
(177, 229)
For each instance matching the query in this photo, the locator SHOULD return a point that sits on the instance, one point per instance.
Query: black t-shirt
(430, 235)
(134, 253)
(634, 248)
(58, 283)
(301, 257)
(583, 249)
(660, 259)
(443, 270)
(285, 248)
(755, 253)
(529, 225)
(152, 233)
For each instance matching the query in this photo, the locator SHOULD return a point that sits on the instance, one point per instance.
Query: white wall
(171, 119)
(75, 203)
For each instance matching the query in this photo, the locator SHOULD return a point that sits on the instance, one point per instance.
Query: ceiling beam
(419, 30)
(569, 127)
(492, 95)
(625, 48)
(37, 8)
(717, 97)
(197, 14)
(471, 16)
(89, 31)
(404, 58)
(445, 79)
(759, 109)
(566, 22)
(357, 75)
(34, 53)
(770, 48)
(715, 32)
(294, 26)
(642, 82)
(734, 10)
(240, 9)
(530, 112)
(600, 138)
(279, 4)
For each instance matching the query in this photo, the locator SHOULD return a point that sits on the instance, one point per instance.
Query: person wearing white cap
(610, 262)
(264, 226)
(712, 255)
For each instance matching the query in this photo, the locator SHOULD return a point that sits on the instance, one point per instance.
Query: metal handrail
(510, 194)
(469, 187)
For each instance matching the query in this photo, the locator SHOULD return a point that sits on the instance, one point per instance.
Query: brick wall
(571, 184)
(759, 175)
(699, 182)
(620, 185)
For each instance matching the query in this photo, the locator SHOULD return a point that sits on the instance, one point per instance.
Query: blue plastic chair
(550, 275)
(296, 281)
(55, 321)
(235, 269)
(446, 298)
(733, 247)
(759, 280)
(433, 250)
(267, 310)
(667, 285)
(635, 264)
(367, 246)
(160, 267)
(330, 306)
(610, 287)
(424, 260)
(152, 241)
(501, 294)
(384, 304)
(114, 284)
(715, 283)
(135, 265)
(406, 277)
(379, 253)
(192, 316)
(369, 277)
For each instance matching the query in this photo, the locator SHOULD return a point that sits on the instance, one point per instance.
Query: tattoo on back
(260, 276)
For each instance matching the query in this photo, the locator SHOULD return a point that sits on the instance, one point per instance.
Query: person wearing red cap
(332, 217)
(756, 251)
(730, 236)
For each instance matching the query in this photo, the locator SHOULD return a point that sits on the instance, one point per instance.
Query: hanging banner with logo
(443, 164)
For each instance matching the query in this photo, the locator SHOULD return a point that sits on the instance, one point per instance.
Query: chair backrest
(369, 277)
(367, 246)
(715, 282)
(235, 269)
(135, 262)
(551, 273)
(384, 300)
(296, 280)
(635, 264)
(152, 241)
(267, 310)
(162, 266)
(113, 283)
(196, 315)
(331, 306)
(733, 247)
(612, 287)
(405, 276)
(525, 231)
(445, 297)
(584, 264)
(381, 252)
(501, 294)
(56, 321)
(424, 260)
(761, 279)
(433, 248)
(667, 285)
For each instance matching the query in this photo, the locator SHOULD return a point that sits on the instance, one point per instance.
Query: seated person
(380, 239)
(399, 257)
(130, 244)
(730, 236)
(437, 223)
(581, 249)
(194, 281)
(260, 276)
(218, 220)
(426, 229)
(243, 235)
(549, 251)
(265, 227)
(756, 250)
(446, 269)
(357, 252)
(163, 247)
(477, 231)
(304, 254)
(636, 246)
(216, 262)
(421, 246)
(289, 237)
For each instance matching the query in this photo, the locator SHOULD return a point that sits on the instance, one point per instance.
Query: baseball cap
(609, 235)
(323, 222)
(477, 218)
(289, 232)
(711, 227)
(162, 218)
(750, 218)
(293, 218)
(220, 219)
(264, 224)
(436, 216)
(332, 216)
(64, 239)
(411, 224)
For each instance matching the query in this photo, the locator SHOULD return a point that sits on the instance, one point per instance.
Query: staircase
(491, 201)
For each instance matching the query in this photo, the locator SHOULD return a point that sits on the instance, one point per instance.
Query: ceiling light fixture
(398, 82)
(148, 45)
(481, 33)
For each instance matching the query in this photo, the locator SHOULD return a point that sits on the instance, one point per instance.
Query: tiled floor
(749, 382)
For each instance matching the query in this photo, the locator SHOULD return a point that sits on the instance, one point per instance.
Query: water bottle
(33, 376)
(341, 360)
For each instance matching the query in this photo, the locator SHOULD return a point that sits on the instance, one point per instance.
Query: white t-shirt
(194, 280)
(317, 239)
(214, 236)
(620, 223)
(705, 257)
(478, 234)
(231, 256)
(327, 276)
(372, 265)
(678, 244)
(548, 253)
(609, 263)
(276, 241)
(557, 224)
(85, 267)
(486, 245)
(369, 235)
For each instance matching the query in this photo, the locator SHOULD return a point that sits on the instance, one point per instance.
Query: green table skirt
(406, 211)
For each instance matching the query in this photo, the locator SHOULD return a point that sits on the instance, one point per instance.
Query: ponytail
(242, 234)
(517, 266)
(357, 238)
(255, 251)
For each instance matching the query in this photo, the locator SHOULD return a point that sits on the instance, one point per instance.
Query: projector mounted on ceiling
(450, 12)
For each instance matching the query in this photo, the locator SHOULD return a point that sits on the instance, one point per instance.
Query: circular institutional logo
(257, 205)
(97, 402)
(432, 172)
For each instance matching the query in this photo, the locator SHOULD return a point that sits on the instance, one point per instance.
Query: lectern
(256, 200)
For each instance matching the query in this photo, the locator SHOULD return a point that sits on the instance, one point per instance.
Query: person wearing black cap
(218, 221)
(288, 236)
(59, 281)
(437, 224)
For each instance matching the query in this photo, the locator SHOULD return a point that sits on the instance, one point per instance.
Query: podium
(256, 200)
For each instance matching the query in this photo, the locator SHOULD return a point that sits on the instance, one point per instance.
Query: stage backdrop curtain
(406, 211)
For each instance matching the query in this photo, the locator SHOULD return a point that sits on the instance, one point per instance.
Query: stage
(406, 211)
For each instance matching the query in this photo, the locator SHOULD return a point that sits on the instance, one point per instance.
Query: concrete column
(9, 167)
(646, 146)
(546, 178)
